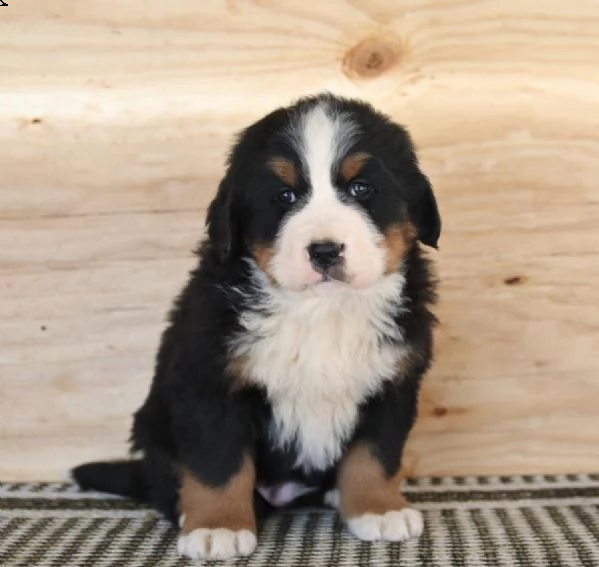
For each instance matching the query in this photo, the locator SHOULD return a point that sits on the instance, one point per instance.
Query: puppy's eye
(360, 190)
(286, 197)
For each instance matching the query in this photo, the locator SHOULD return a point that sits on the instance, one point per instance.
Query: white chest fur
(319, 354)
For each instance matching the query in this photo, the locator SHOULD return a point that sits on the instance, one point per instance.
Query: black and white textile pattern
(511, 521)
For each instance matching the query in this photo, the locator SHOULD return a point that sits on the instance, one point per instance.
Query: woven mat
(470, 522)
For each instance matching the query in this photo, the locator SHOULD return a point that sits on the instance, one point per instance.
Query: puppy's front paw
(396, 525)
(219, 543)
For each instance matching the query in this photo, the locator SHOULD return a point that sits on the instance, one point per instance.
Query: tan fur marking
(364, 488)
(397, 240)
(264, 255)
(352, 165)
(284, 169)
(235, 369)
(404, 364)
(229, 507)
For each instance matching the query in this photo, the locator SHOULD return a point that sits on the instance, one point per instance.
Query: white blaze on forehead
(326, 136)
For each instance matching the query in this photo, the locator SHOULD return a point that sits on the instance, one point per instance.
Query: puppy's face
(327, 191)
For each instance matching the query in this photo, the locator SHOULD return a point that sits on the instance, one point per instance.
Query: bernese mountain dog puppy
(291, 366)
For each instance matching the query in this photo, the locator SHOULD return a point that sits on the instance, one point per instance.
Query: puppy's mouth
(334, 274)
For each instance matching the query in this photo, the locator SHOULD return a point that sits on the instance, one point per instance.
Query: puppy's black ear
(425, 211)
(221, 221)
(422, 205)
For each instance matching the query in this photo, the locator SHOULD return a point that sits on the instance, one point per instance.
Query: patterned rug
(469, 522)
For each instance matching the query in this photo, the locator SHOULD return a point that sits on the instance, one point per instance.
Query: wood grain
(115, 118)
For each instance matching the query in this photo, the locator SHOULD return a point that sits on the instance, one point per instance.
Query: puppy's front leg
(217, 522)
(370, 501)
(369, 496)
(217, 478)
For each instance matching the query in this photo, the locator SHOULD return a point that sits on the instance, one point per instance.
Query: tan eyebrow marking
(352, 165)
(284, 169)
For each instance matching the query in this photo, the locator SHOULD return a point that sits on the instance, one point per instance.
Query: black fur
(195, 415)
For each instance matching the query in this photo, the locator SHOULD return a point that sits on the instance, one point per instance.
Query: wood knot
(372, 57)
(515, 280)
(439, 411)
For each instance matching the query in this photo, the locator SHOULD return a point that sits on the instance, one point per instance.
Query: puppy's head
(327, 190)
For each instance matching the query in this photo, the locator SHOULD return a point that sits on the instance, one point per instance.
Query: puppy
(291, 365)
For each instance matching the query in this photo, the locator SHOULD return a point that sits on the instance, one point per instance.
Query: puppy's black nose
(325, 254)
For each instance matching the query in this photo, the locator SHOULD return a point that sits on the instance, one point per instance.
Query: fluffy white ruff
(319, 353)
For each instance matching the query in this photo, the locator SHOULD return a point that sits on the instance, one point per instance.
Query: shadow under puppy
(293, 357)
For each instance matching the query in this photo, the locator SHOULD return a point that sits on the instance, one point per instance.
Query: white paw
(219, 543)
(397, 525)
(331, 498)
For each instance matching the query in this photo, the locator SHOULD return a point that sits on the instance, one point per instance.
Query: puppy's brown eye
(360, 190)
(286, 197)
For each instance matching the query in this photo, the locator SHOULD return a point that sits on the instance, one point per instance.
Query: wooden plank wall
(114, 120)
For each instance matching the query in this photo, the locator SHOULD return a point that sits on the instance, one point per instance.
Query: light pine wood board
(115, 118)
